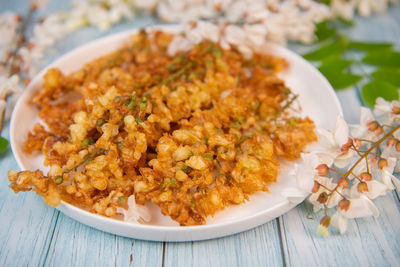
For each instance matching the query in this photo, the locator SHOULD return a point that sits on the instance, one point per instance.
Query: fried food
(192, 133)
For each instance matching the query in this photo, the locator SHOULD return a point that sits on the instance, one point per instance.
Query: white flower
(304, 173)
(384, 111)
(202, 31)
(330, 145)
(9, 86)
(365, 7)
(375, 189)
(135, 213)
(148, 5)
(361, 130)
(322, 230)
(98, 16)
(343, 8)
(386, 174)
(326, 187)
(179, 43)
(360, 207)
(40, 3)
(339, 221)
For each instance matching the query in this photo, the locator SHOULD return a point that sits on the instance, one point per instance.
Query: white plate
(316, 97)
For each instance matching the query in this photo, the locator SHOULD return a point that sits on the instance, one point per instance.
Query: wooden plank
(18, 6)
(368, 242)
(75, 244)
(257, 247)
(26, 222)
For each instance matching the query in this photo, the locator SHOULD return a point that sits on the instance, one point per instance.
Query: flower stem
(331, 191)
(338, 172)
(377, 143)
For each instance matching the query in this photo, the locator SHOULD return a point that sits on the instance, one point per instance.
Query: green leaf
(332, 49)
(334, 65)
(3, 144)
(345, 22)
(389, 75)
(324, 30)
(374, 89)
(384, 58)
(341, 80)
(326, 2)
(368, 46)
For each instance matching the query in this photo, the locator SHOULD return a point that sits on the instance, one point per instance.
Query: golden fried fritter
(192, 133)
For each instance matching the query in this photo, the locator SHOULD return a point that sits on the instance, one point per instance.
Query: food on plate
(192, 133)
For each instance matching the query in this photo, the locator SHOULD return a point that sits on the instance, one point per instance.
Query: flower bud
(315, 187)
(398, 146)
(344, 204)
(322, 169)
(379, 130)
(383, 163)
(373, 125)
(325, 221)
(343, 182)
(345, 147)
(396, 110)
(365, 176)
(391, 141)
(322, 198)
(357, 143)
(362, 187)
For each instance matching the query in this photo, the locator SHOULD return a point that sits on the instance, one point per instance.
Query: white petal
(387, 180)
(358, 131)
(322, 230)
(375, 189)
(325, 138)
(135, 212)
(339, 222)
(391, 164)
(370, 205)
(341, 132)
(305, 171)
(326, 158)
(294, 194)
(353, 190)
(344, 160)
(366, 116)
(359, 207)
(396, 182)
(382, 107)
(333, 200)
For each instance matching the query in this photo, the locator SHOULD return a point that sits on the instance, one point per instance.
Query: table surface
(33, 234)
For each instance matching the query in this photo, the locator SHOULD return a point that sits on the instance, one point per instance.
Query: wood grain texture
(75, 244)
(256, 247)
(367, 242)
(25, 222)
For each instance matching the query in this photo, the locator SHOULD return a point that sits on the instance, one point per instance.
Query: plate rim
(69, 209)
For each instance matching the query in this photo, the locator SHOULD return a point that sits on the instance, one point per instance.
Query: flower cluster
(350, 167)
(244, 38)
(346, 9)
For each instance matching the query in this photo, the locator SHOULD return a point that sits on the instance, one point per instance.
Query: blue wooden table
(33, 234)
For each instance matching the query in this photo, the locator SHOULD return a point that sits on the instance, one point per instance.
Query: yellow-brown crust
(191, 133)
